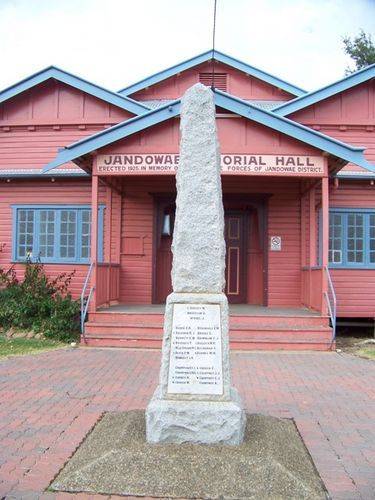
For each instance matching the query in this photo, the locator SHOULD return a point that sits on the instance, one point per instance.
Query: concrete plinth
(199, 422)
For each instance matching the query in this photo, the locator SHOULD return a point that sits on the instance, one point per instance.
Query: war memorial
(195, 440)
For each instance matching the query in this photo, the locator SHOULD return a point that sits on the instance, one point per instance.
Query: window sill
(54, 262)
(358, 268)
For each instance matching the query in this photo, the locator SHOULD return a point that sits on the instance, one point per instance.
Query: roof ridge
(204, 57)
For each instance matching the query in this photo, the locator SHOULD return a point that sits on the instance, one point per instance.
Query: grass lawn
(20, 346)
(367, 352)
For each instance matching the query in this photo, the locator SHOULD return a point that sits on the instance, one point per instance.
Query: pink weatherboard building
(87, 182)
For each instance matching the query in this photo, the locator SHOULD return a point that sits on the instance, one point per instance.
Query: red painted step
(293, 322)
(109, 329)
(126, 318)
(118, 329)
(246, 345)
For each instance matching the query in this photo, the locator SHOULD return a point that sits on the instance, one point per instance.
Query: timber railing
(85, 299)
(312, 287)
(107, 283)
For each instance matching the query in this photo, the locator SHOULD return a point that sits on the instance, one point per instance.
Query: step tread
(273, 327)
(245, 341)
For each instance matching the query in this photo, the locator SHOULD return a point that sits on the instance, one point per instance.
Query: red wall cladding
(237, 83)
(34, 124)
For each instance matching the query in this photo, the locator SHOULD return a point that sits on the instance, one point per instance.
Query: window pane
(372, 238)
(68, 234)
(25, 234)
(85, 234)
(335, 239)
(46, 233)
(355, 238)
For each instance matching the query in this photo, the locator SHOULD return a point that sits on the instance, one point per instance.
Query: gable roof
(220, 57)
(74, 81)
(295, 130)
(310, 98)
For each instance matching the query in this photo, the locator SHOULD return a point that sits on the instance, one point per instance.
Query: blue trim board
(353, 210)
(315, 96)
(118, 100)
(220, 57)
(304, 134)
(58, 207)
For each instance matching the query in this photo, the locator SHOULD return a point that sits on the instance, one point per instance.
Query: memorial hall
(87, 183)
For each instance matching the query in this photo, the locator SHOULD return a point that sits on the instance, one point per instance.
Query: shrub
(39, 303)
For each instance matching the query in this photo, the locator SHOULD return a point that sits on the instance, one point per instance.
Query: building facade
(88, 184)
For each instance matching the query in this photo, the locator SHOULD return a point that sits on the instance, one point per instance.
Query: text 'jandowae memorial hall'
(87, 182)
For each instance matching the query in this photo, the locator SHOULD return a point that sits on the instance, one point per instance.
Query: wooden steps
(257, 332)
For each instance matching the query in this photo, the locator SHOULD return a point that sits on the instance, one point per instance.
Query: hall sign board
(242, 164)
(195, 363)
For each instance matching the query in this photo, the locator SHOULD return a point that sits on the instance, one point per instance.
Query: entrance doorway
(165, 210)
(237, 231)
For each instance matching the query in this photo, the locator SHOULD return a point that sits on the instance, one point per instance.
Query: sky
(117, 42)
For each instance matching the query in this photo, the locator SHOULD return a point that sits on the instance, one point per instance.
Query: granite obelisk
(194, 401)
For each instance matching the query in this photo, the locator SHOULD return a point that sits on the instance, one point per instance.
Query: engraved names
(195, 365)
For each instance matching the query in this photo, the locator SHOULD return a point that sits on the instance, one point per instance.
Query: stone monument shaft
(194, 401)
(198, 239)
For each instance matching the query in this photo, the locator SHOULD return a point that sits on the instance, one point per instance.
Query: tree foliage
(361, 49)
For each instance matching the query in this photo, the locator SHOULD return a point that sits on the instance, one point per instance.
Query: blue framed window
(54, 233)
(352, 238)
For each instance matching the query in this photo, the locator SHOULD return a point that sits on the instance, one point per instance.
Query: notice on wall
(275, 243)
(241, 164)
(195, 364)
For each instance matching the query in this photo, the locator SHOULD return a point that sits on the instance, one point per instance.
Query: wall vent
(219, 80)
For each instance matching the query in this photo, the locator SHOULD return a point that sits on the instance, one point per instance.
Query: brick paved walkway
(49, 401)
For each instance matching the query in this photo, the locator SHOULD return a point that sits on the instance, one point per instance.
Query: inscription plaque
(195, 364)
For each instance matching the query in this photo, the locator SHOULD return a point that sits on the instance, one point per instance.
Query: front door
(235, 270)
(236, 223)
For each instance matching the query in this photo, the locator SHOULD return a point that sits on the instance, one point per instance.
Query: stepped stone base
(199, 422)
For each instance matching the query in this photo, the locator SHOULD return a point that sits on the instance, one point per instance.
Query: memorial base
(199, 422)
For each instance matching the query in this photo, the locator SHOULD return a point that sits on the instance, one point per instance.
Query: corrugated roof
(36, 172)
(355, 174)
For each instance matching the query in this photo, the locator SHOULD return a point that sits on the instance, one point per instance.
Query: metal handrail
(332, 305)
(85, 304)
(83, 314)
